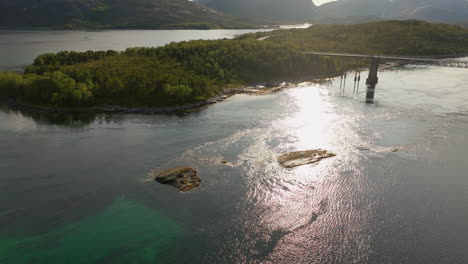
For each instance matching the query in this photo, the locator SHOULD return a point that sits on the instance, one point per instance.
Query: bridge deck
(372, 80)
(442, 61)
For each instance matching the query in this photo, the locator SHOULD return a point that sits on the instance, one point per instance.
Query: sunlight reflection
(286, 202)
(311, 123)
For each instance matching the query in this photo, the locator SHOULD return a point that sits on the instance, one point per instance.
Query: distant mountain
(276, 10)
(111, 14)
(429, 10)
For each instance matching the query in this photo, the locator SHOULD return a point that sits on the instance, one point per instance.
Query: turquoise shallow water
(124, 232)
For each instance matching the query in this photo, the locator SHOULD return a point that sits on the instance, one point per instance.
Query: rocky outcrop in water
(299, 158)
(183, 178)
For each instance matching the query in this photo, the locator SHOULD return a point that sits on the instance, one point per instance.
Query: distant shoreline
(255, 89)
(160, 110)
(133, 28)
(178, 109)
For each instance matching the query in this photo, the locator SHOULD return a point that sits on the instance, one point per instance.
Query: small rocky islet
(183, 178)
(186, 178)
(299, 158)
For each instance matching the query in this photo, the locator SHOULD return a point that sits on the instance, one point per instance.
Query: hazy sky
(319, 2)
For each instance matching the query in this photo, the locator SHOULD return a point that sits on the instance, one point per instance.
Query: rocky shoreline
(259, 89)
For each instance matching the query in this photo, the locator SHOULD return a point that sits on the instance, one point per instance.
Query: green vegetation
(177, 73)
(290, 11)
(205, 26)
(143, 14)
(186, 72)
(192, 25)
(410, 37)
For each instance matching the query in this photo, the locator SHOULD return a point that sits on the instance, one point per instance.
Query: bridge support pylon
(372, 79)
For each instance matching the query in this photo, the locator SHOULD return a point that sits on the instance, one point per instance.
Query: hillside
(405, 37)
(112, 14)
(274, 10)
(428, 10)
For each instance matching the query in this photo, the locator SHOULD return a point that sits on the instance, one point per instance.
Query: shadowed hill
(111, 14)
(428, 10)
(279, 10)
(399, 37)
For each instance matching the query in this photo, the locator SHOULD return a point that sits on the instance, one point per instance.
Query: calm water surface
(76, 189)
(19, 48)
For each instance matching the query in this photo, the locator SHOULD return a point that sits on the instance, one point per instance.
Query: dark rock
(183, 178)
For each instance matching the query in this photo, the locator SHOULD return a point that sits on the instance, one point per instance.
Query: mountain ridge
(275, 10)
(448, 11)
(113, 14)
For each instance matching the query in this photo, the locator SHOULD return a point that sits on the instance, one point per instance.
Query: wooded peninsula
(193, 71)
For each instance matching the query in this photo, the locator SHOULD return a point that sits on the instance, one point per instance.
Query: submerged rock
(299, 158)
(184, 178)
(380, 149)
(395, 149)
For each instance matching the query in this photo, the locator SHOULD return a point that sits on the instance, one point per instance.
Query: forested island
(193, 71)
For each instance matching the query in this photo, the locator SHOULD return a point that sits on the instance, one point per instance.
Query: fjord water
(75, 189)
(19, 48)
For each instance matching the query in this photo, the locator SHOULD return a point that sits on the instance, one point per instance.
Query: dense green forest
(398, 37)
(177, 73)
(185, 72)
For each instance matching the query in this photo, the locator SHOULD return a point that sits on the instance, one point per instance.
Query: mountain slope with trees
(274, 10)
(112, 14)
(392, 37)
